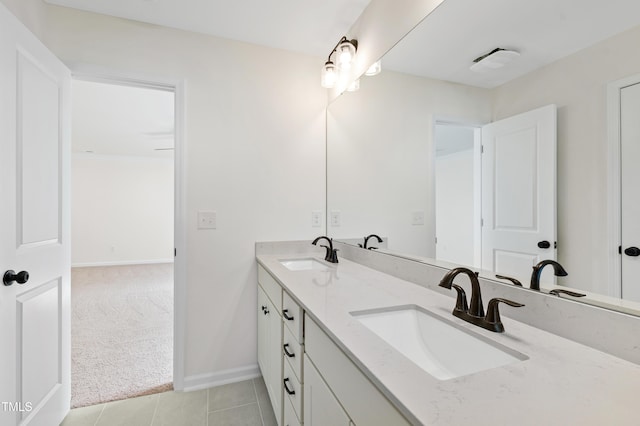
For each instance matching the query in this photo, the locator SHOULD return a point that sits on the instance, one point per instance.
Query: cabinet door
(269, 350)
(263, 325)
(321, 408)
(275, 360)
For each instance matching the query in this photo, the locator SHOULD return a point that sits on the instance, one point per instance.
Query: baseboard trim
(121, 263)
(204, 381)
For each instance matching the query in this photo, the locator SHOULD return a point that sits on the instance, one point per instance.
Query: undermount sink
(441, 348)
(303, 265)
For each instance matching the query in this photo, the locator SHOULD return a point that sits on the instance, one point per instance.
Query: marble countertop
(561, 382)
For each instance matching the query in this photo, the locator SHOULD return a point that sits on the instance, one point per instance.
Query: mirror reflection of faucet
(366, 241)
(474, 312)
(558, 270)
(331, 253)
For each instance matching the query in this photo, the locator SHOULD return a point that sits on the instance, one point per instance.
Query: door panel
(630, 176)
(38, 152)
(34, 229)
(519, 193)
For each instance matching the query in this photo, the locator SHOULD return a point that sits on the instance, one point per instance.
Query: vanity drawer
(292, 315)
(290, 346)
(292, 389)
(290, 418)
(271, 287)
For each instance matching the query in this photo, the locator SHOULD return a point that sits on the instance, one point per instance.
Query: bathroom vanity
(328, 355)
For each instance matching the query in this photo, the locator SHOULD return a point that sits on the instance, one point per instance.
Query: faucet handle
(461, 300)
(513, 280)
(557, 292)
(493, 314)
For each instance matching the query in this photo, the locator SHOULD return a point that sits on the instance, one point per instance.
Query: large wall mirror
(503, 165)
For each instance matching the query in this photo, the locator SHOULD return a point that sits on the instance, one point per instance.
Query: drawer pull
(289, 391)
(286, 352)
(285, 314)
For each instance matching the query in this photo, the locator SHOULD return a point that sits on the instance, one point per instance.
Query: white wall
(380, 159)
(254, 137)
(577, 84)
(121, 210)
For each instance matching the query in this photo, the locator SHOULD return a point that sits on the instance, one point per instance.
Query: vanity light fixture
(345, 51)
(495, 59)
(374, 69)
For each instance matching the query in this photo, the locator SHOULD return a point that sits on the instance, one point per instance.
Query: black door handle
(544, 244)
(632, 251)
(10, 276)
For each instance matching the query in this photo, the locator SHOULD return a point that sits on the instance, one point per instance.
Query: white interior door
(629, 194)
(34, 229)
(519, 193)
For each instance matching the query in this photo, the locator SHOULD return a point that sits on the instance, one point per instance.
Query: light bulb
(329, 75)
(346, 53)
(354, 86)
(374, 69)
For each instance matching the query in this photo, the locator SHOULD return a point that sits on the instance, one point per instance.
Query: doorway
(457, 194)
(122, 243)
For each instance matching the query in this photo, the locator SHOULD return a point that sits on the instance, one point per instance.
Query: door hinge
(436, 240)
(481, 149)
(619, 249)
(175, 252)
(481, 222)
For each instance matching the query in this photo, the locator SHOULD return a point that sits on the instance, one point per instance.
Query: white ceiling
(311, 27)
(110, 119)
(445, 44)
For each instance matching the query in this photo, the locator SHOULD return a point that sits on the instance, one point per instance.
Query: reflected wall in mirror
(382, 150)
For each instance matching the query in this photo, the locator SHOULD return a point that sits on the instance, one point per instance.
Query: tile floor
(243, 403)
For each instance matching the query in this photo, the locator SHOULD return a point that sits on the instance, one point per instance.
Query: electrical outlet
(316, 219)
(417, 218)
(335, 218)
(206, 220)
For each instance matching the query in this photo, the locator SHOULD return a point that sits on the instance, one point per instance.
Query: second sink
(441, 348)
(303, 264)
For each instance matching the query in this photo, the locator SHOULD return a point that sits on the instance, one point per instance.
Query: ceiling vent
(493, 60)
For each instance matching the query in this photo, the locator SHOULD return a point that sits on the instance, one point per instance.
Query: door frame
(614, 171)
(99, 74)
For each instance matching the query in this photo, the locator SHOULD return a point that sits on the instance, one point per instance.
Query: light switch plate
(207, 220)
(335, 218)
(316, 219)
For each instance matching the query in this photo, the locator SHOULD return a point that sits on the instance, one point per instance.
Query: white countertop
(562, 382)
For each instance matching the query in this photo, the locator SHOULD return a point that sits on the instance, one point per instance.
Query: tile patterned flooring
(237, 404)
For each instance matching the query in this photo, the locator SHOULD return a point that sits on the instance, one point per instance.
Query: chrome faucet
(558, 270)
(331, 253)
(366, 241)
(474, 313)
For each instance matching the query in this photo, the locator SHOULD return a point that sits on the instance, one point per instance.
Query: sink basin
(303, 265)
(441, 348)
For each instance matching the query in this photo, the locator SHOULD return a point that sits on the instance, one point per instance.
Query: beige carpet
(121, 332)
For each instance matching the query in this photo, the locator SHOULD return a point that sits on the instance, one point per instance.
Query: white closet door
(519, 193)
(34, 229)
(630, 193)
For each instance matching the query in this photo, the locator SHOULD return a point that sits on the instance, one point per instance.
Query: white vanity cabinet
(311, 382)
(270, 338)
